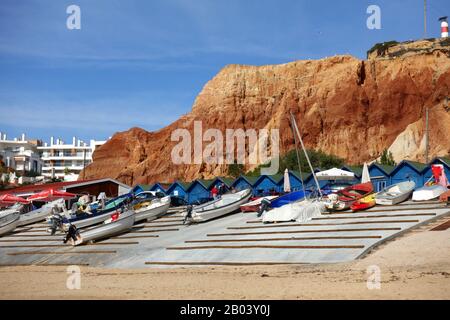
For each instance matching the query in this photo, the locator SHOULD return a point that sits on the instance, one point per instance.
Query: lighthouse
(444, 27)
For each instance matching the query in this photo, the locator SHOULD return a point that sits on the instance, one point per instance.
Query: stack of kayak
(345, 198)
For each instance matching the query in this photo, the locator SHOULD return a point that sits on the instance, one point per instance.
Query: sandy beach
(415, 266)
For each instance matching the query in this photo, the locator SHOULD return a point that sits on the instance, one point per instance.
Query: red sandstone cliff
(345, 106)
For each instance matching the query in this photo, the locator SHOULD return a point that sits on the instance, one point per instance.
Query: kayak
(364, 203)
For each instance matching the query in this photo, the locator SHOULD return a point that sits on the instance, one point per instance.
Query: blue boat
(288, 198)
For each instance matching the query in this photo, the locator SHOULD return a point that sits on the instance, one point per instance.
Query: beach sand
(415, 266)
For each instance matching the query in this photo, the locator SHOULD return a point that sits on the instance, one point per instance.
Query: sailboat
(306, 208)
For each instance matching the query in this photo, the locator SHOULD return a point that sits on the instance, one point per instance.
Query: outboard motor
(189, 210)
(265, 204)
(55, 222)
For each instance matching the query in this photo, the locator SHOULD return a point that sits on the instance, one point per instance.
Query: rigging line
(306, 155)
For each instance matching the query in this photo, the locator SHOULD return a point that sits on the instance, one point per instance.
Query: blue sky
(142, 63)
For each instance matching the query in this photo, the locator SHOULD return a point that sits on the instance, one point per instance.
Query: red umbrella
(51, 195)
(9, 199)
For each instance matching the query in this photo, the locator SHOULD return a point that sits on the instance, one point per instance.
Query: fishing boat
(253, 206)
(343, 199)
(429, 192)
(395, 193)
(118, 223)
(97, 215)
(9, 220)
(148, 206)
(364, 203)
(226, 204)
(41, 213)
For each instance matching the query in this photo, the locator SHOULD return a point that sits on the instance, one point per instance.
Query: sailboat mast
(298, 155)
(294, 123)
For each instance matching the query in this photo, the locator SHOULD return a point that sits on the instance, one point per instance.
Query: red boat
(253, 206)
(343, 199)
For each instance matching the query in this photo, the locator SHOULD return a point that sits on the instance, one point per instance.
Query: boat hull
(254, 206)
(152, 212)
(39, 214)
(428, 193)
(122, 225)
(9, 222)
(395, 194)
(204, 214)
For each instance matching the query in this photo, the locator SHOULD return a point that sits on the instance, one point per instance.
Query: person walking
(214, 192)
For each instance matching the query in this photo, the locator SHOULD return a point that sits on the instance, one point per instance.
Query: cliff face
(344, 106)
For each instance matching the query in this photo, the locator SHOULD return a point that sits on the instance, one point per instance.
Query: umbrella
(365, 174)
(9, 199)
(335, 174)
(51, 195)
(287, 182)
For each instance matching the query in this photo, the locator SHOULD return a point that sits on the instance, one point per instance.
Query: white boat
(109, 228)
(395, 193)
(428, 192)
(228, 203)
(150, 207)
(9, 220)
(41, 213)
(88, 219)
(300, 211)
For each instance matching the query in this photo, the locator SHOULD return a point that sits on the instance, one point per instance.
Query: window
(381, 185)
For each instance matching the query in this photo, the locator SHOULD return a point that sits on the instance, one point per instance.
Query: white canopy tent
(335, 174)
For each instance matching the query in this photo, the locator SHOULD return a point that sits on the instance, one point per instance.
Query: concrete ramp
(237, 239)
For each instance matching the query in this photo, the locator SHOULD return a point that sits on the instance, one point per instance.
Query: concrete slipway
(232, 240)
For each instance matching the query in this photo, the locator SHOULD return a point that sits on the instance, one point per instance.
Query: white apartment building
(65, 161)
(20, 154)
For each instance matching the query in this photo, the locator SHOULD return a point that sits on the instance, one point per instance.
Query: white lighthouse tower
(444, 27)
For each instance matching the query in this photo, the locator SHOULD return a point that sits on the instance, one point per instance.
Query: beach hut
(159, 187)
(227, 182)
(244, 182)
(264, 185)
(380, 175)
(199, 190)
(408, 171)
(294, 178)
(178, 189)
